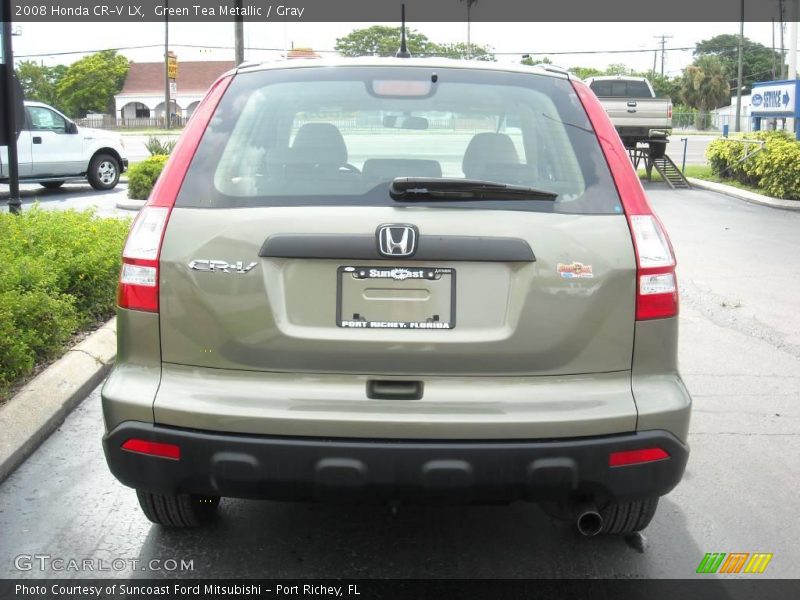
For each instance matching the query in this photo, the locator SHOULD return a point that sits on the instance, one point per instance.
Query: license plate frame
(397, 281)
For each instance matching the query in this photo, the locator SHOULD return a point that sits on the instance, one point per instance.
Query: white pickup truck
(52, 149)
(635, 111)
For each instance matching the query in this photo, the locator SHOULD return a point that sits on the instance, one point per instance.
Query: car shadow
(302, 540)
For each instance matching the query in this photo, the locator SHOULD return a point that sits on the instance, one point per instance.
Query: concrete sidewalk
(40, 407)
(745, 195)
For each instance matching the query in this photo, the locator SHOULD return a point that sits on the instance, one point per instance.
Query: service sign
(775, 98)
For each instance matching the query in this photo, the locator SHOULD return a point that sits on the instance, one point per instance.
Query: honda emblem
(397, 240)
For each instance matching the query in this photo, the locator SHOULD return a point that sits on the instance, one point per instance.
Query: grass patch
(58, 277)
(704, 172)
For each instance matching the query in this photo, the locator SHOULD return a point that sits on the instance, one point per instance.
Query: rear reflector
(153, 448)
(635, 457)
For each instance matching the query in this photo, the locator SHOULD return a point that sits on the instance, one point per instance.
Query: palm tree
(469, 4)
(705, 86)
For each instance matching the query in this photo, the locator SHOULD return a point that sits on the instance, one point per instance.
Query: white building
(142, 96)
(726, 115)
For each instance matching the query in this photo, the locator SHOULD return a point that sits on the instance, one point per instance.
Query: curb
(740, 194)
(130, 204)
(40, 407)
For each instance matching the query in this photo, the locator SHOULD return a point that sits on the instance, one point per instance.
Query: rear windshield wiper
(415, 189)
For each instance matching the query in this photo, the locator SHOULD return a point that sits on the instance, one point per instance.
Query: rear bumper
(291, 468)
(644, 133)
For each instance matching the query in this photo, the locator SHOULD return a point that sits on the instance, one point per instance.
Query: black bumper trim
(287, 468)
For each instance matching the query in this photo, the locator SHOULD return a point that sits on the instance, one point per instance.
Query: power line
(515, 53)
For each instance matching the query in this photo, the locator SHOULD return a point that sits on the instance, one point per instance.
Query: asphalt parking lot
(739, 273)
(70, 196)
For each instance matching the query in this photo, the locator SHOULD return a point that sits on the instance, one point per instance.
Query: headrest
(488, 149)
(319, 143)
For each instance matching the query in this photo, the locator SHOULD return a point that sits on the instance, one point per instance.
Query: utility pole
(794, 15)
(166, 66)
(773, 47)
(663, 43)
(238, 34)
(737, 127)
(14, 202)
(783, 48)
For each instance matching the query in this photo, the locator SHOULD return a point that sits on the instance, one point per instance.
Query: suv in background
(52, 150)
(398, 280)
(635, 111)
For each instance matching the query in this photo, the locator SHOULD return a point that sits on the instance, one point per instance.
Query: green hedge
(142, 176)
(775, 169)
(59, 275)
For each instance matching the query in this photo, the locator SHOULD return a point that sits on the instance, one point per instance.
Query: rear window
(612, 88)
(339, 136)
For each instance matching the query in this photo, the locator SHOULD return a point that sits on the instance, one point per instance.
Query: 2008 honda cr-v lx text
(399, 281)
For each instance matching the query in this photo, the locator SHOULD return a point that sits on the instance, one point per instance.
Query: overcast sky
(513, 38)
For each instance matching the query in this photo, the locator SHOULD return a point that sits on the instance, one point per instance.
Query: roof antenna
(403, 52)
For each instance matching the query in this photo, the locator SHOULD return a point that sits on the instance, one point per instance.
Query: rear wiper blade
(415, 189)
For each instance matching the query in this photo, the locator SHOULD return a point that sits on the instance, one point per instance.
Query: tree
(459, 50)
(757, 60)
(705, 86)
(664, 87)
(586, 72)
(39, 82)
(527, 59)
(618, 69)
(380, 40)
(89, 84)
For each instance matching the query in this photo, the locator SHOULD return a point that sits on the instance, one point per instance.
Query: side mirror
(71, 127)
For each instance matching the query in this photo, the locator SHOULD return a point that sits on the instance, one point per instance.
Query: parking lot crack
(717, 309)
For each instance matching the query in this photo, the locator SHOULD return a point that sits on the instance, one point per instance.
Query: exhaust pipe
(589, 521)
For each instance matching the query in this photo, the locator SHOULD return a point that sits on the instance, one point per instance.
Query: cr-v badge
(221, 266)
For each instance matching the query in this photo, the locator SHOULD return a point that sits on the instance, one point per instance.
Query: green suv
(398, 280)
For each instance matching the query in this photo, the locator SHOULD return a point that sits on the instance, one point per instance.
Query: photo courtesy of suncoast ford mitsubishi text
(400, 317)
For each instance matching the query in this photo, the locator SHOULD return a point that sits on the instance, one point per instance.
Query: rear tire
(177, 510)
(51, 185)
(622, 518)
(103, 172)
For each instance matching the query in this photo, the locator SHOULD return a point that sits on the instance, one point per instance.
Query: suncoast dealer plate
(389, 297)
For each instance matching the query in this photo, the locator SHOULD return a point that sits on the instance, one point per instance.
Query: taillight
(656, 287)
(669, 112)
(138, 279)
